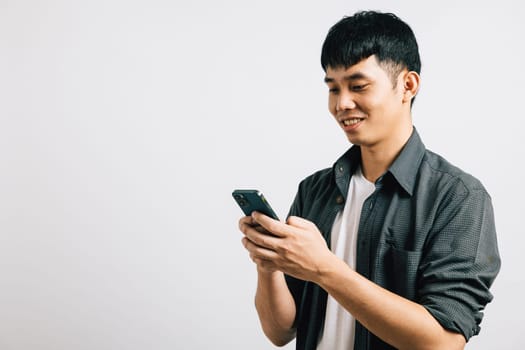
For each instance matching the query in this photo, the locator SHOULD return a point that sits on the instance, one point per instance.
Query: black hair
(368, 33)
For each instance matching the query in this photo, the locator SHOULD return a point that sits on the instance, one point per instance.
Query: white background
(125, 125)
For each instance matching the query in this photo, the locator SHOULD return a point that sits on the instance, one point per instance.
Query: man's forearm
(275, 306)
(398, 321)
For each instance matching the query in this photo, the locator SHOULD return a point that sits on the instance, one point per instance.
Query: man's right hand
(273, 300)
(247, 224)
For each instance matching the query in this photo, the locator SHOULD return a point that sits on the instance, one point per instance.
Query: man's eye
(333, 91)
(358, 87)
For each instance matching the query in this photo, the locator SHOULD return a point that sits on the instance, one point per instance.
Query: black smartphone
(253, 200)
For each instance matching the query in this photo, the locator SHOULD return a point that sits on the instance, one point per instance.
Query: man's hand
(296, 247)
(273, 300)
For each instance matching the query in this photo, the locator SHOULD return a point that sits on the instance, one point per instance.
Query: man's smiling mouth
(352, 121)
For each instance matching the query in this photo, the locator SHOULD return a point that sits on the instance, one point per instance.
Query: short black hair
(368, 33)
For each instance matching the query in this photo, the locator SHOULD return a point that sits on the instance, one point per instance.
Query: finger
(296, 221)
(262, 239)
(258, 252)
(246, 220)
(275, 227)
(246, 224)
(252, 231)
(262, 230)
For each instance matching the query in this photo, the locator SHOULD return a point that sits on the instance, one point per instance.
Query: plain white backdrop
(125, 125)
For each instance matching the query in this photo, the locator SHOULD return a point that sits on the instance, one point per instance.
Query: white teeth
(348, 122)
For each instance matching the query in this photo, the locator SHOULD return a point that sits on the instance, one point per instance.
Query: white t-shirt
(339, 324)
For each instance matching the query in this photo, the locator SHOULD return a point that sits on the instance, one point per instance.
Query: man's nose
(345, 101)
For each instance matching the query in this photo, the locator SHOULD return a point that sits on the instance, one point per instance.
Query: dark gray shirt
(427, 233)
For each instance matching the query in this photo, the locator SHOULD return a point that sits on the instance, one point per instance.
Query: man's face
(365, 103)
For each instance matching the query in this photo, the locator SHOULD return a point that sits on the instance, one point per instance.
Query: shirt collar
(403, 169)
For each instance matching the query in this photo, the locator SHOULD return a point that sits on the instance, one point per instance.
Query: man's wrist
(265, 273)
(332, 268)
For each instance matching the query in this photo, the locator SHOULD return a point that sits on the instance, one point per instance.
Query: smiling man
(391, 247)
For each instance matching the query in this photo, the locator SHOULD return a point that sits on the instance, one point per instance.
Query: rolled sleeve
(461, 261)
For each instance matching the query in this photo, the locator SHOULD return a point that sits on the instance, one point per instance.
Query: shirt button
(339, 200)
(341, 169)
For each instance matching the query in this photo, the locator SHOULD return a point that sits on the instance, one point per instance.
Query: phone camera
(241, 200)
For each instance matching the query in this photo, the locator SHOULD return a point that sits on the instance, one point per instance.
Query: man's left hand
(296, 247)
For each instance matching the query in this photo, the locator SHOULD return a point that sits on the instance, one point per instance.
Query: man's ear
(410, 85)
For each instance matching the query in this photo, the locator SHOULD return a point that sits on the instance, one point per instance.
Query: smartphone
(253, 200)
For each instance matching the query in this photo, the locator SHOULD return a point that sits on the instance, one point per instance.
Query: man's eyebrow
(354, 76)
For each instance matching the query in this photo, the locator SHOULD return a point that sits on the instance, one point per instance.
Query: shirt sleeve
(460, 261)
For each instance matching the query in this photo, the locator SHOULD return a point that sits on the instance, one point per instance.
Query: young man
(392, 247)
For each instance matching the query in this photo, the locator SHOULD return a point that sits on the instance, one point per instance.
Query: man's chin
(353, 140)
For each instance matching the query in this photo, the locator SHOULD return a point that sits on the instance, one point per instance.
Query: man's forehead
(360, 70)
(367, 68)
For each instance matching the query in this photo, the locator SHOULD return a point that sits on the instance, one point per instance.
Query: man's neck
(376, 159)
